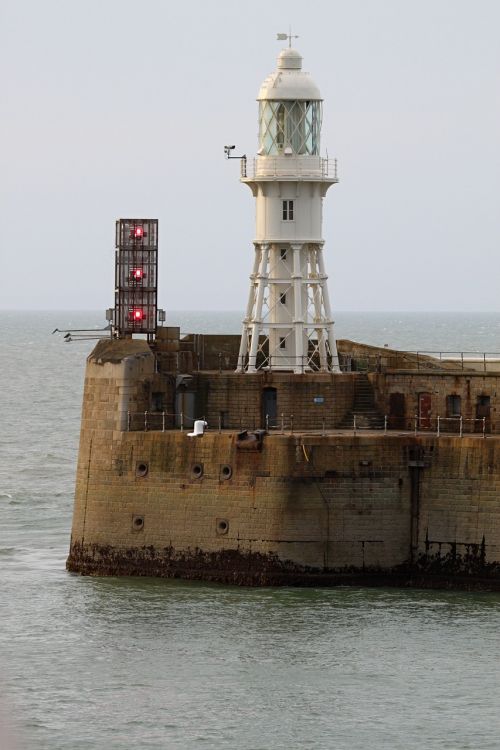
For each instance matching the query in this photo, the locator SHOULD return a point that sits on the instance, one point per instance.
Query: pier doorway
(397, 411)
(270, 407)
(424, 411)
(184, 409)
(483, 411)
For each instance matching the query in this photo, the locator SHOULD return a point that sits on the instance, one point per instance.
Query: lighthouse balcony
(290, 167)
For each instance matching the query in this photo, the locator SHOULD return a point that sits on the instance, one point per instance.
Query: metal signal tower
(136, 277)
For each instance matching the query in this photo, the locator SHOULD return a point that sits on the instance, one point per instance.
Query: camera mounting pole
(227, 152)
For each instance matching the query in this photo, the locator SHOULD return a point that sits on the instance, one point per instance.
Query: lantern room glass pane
(289, 124)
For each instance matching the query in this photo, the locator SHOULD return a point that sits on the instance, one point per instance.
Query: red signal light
(138, 233)
(137, 274)
(136, 315)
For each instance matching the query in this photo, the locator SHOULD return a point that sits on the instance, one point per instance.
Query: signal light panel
(136, 274)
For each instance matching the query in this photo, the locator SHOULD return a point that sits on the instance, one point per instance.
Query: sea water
(136, 663)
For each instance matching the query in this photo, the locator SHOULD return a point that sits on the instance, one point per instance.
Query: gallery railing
(292, 166)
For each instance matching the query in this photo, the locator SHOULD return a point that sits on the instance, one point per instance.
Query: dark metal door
(270, 407)
(483, 410)
(424, 411)
(397, 411)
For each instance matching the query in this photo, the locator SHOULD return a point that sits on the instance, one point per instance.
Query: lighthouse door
(269, 407)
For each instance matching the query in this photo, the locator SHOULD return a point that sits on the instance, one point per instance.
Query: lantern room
(290, 109)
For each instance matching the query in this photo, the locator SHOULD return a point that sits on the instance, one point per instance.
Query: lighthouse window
(289, 124)
(453, 406)
(280, 132)
(283, 298)
(287, 210)
(282, 342)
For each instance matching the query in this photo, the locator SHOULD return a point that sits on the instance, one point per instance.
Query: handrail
(145, 421)
(403, 360)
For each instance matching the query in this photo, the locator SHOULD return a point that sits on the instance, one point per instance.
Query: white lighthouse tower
(288, 323)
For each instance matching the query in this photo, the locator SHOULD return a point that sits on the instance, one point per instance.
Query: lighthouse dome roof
(289, 82)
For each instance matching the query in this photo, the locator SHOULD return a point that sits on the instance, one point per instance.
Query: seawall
(297, 508)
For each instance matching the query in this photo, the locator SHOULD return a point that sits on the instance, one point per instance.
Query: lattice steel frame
(309, 323)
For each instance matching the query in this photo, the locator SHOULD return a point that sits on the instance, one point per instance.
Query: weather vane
(289, 36)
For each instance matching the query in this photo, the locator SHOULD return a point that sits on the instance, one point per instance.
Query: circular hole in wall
(197, 471)
(226, 471)
(137, 523)
(141, 468)
(222, 526)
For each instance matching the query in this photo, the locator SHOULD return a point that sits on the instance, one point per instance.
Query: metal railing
(404, 360)
(151, 421)
(463, 360)
(294, 166)
(459, 425)
(148, 421)
(408, 361)
(419, 360)
(304, 363)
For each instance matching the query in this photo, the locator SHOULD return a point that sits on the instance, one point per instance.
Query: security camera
(229, 148)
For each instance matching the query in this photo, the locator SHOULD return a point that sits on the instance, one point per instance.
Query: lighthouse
(288, 322)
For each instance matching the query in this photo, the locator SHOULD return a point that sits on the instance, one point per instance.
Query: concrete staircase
(367, 415)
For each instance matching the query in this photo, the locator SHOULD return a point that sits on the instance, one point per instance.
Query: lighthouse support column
(321, 332)
(245, 334)
(298, 317)
(256, 325)
(328, 313)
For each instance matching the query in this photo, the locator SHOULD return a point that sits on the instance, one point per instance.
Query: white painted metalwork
(199, 428)
(288, 323)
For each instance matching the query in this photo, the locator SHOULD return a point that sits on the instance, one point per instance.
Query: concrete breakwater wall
(296, 508)
(300, 508)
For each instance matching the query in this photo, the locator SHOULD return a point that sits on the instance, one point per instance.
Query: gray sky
(117, 108)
